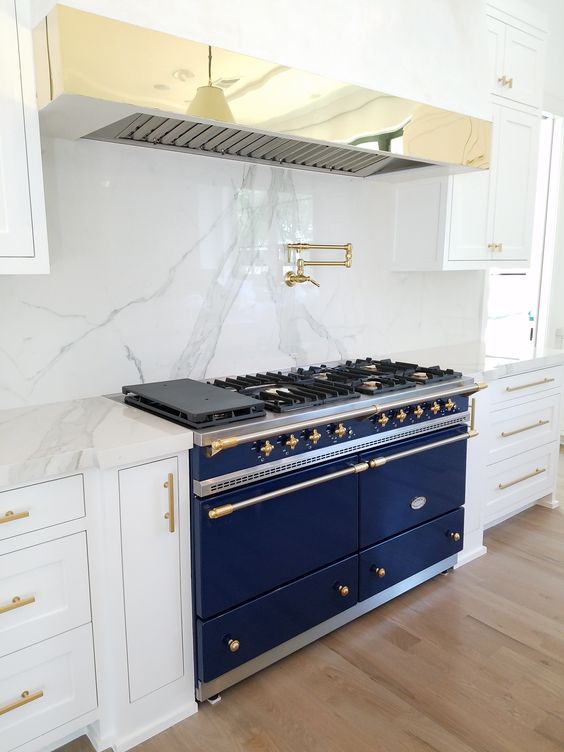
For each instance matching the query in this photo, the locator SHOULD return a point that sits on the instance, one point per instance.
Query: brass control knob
(435, 407)
(340, 431)
(291, 441)
(401, 416)
(450, 405)
(455, 537)
(314, 436)
(383, 420)
(267, 448)
(379, 571)
(233, 645)
(343, 590)
(418, 412)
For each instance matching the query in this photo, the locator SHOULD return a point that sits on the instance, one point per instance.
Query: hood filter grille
(201, 137)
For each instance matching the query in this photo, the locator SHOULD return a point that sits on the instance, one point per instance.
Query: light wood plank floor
(472, 662)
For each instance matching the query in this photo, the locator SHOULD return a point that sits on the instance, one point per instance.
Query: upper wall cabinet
(516, 62)
(23, 234)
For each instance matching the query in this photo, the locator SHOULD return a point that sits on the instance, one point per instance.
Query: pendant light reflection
(210, 101)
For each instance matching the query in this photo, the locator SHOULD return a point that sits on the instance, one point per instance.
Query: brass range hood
(107, 80)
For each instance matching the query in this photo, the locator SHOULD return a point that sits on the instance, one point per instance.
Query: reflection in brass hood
(107, 80)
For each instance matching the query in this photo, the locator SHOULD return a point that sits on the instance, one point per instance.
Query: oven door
(406, 492)
(270, 543)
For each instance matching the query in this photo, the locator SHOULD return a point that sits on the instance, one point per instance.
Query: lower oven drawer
(45, 686)
(401, 557)
(260, 547)
(274, 618)
(410, 491)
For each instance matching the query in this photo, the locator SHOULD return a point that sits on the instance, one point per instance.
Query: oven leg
(214, 700)
(447, 571)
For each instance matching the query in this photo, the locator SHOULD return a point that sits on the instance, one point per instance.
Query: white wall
(433, 51)
(167, 266)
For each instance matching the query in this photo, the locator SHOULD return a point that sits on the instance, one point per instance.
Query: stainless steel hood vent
(196, 136)
(103, 79)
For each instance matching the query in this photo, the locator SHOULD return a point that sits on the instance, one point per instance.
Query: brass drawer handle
(12, 516)
(455, 537)
(17, 602)
(378, 571)
(170, 514)
(536, 471)
(25, 698)
(505, 434)
(233, 644)
(343, 590)
(530, 384)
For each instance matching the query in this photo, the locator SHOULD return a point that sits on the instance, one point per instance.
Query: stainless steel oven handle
(218, 445)
(361, 467)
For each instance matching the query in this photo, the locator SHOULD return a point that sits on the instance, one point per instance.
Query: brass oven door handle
(536, 471)
(361, 467)
(15, 603)
(505, 434)
(529, 385)
(12, 516)
(169, 484)
(25, 698)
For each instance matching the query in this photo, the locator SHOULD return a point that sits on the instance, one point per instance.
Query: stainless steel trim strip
(219, 445)
(204, 690)
(265, 470)
(227, 509)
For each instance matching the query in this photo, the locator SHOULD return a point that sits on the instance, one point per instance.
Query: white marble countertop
(65, 437)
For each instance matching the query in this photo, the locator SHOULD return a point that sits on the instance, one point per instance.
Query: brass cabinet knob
(343, 590)
(418, 412)
(292, 442)
(435, 407)
(233, 645)
(267, 448)
(455, 537)
(379, 571)
(450, 405)
(340, 431)
(383, 420)
(401, 416)
(314, 436)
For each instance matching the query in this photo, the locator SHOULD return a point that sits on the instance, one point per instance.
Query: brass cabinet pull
(529, 385)
(536, 471)
(12, 516)
(455, 537)
(233, 645)
(17, 602)
(504, 81)
(360, 467)
(25, 698)
(505, 434)
(170, 514)
(379, 571)
(218, 445)
(343, 590)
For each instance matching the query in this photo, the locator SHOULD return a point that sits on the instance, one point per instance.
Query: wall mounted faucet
(298, 276)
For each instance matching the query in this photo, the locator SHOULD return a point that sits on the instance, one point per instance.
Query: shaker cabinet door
(513, 176)
(151, 575)
(524, 60)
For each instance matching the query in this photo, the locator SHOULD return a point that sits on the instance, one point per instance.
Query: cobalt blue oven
(290, 555)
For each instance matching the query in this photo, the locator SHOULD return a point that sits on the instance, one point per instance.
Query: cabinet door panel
(496, 44)
(514, 172)
(16, 236)
(524, 60)
(468, 240)
(151, 577)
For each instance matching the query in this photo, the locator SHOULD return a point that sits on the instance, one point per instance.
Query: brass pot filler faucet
(298, 276)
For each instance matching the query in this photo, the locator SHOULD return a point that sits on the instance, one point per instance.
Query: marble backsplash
(165, 266)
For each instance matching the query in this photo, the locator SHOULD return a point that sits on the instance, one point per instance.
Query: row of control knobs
(384, 419)
(340, 431)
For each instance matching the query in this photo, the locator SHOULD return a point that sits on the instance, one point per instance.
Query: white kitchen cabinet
(23, 234)
(151, 575)
(517, 62)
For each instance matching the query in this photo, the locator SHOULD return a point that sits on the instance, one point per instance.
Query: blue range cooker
(318, 494)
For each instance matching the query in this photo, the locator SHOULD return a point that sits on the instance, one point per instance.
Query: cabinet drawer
(513, 483)
(272, 619)
(41, 505)
(516, 429)
(401, 557)
(407, 492)
(44, 591)
(58, 681)
(525, 385)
